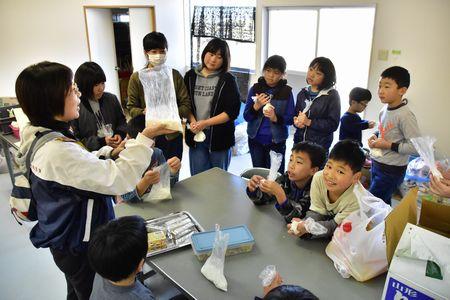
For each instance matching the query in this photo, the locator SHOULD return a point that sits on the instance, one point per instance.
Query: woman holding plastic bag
(158, 92)
(215, 104)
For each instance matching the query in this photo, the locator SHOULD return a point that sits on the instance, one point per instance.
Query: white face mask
(156, 59)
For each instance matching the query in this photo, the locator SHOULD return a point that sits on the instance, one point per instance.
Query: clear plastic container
(241, 240)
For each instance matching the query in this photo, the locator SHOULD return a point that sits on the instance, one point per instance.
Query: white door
(140, 24)
(101, 45)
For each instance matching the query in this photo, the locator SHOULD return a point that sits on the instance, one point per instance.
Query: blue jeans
(383, 184)
(201, 159)
(260, 154)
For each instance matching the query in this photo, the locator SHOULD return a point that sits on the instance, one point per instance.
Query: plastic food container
(241, 240)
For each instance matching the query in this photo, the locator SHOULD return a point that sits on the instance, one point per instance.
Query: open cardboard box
(409, 275)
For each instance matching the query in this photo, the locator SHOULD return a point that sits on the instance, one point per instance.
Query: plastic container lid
(239, 235)
(347, 226)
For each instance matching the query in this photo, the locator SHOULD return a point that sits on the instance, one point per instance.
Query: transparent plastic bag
(275, 163)
(213, 267)
(358, 246)
(160, 97)
(267, 275)
(241, 139)
(313, 227)
(424, 146)
(161, 190)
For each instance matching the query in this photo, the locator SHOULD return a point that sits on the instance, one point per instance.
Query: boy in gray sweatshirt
(391, 145)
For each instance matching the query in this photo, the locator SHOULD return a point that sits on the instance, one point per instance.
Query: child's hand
(151, 177)
(269, 112)
(276, 282)
(371, 139)
(261, 100)
(116, 151)
(440, 187)
(253, 183)
(271, 187)
(380, 143)
(371, 124)
(174, 165)
(303, 119)
(301, 230)
(297, 123)
(445, 172)
(198, 126)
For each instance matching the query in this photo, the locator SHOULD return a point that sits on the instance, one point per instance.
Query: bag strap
(41, 139)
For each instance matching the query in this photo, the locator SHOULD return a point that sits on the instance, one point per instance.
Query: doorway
(114, 35)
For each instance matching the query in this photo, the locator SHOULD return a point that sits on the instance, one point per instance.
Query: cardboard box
(419, 255)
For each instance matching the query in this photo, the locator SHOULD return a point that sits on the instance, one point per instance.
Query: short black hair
(290, 292)
(155, 40)
(349, 152)
(218, 45)
(359, 94)
(87, 76)
(117, 248)
(316, 153)
(41, 90)
(325, 66)
(399, 74)
(275, 62)
(136, 125)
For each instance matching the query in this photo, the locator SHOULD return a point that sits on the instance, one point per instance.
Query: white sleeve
(69, 164)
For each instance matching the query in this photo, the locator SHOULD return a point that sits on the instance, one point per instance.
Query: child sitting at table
(117, 253)
(278, 291)
(150, 177)
(291, 190)
(332, 196)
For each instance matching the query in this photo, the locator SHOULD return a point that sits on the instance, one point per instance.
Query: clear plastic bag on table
(267, 275)
(275, 163)
(424, 146)
(160, 97)
(214, 265)
(358, 246)
(313, 227)
(161, 190)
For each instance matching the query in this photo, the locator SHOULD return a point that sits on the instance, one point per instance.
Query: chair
(247, 174)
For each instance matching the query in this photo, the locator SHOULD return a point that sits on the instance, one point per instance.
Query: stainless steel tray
(171, 241)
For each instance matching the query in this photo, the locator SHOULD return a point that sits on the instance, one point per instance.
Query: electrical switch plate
(383, 54)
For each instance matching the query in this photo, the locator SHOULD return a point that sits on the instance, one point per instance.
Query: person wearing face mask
(155, 48)
(101, 122)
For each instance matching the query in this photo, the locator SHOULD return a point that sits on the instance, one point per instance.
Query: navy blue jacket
(352, 127)
(324, 115)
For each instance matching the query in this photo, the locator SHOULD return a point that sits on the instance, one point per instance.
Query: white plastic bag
(311, 226)
(241, 139)
(213, 267)
(161, 190)
(275, 163)
(424, 146)
(267, 275)
(358, 246)
(160, 97)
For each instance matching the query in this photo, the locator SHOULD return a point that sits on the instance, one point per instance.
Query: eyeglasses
(76, 90)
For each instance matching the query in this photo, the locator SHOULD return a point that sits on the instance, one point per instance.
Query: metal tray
(171, 241)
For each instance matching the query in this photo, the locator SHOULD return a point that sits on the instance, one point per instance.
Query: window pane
(345, 36)
(292, 34)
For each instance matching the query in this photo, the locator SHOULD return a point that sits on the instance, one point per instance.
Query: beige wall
(421, 30)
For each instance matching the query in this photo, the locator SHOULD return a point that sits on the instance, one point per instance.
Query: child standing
(397, 126)
(117, 253)
(215, 105)
(270, 114)
(318, 123)
(292, 190)
(332, 196)
(351, 123)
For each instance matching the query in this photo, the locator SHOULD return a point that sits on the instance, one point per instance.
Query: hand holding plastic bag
(313, 227)
(424, 146)
(213, 267)
(161, 190)
(275, 163)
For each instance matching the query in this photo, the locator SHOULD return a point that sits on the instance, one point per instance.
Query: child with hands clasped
(391, 145)
(269, 114)
(332, 196)
(318, 106)
(292, 190)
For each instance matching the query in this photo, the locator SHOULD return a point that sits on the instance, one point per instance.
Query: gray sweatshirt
(397, 125)
(204, 93)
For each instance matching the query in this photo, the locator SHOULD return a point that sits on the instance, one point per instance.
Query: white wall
(421, 30)
(33, 31)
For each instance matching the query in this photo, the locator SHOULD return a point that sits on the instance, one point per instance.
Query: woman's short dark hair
(155, 40)
(87, 76)
(41, 90)
(218, 45)
(117, 248)
(325, 66)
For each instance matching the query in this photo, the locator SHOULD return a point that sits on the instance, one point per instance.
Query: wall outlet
(383, 54)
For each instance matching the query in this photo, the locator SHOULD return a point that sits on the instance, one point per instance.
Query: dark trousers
(384, 183)
(260, 154)
(170, 148)
(79, 275)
